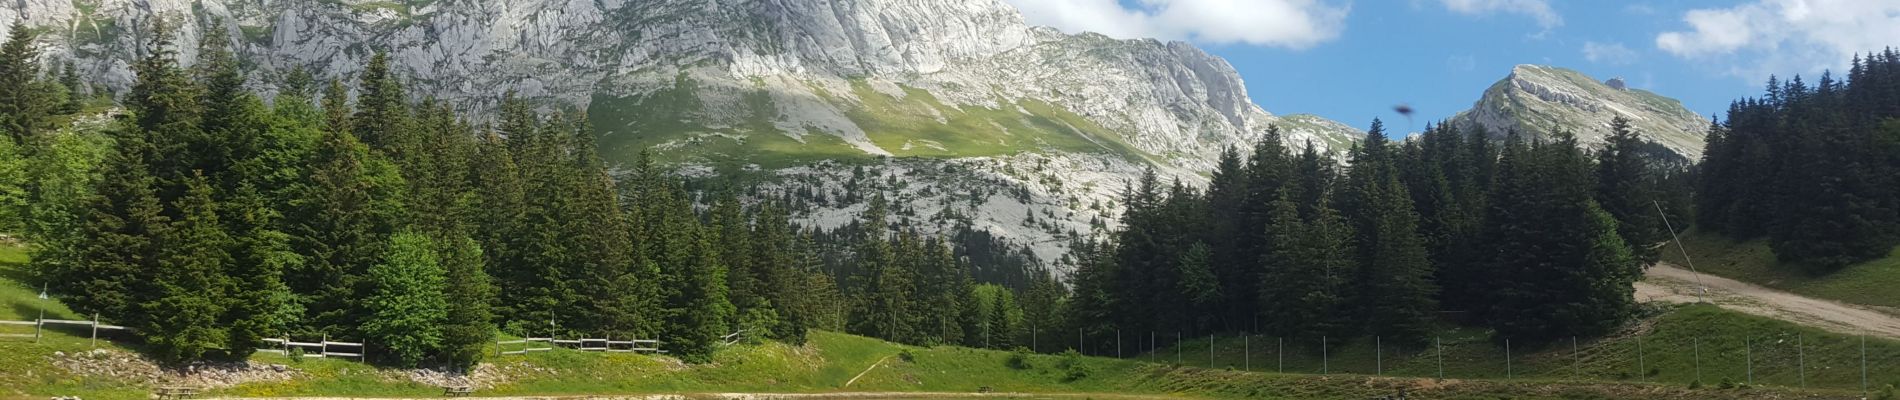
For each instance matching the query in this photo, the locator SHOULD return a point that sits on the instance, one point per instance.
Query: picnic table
(177, 392)
(457, 391)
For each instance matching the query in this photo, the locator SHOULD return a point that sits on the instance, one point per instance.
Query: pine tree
(468, 324)
(260, 304)
(1000, 330)
(498, 223)
(166, 103)
(1396, 297)
(1197, 284)
(1304, 282)
(703, 315)
(23, 105)
(1559, 268)
(190, 284)
(405, 301)
(882, 285)
(382, 112)
(342, 219)
(74, 86)
(114, 254)
(1627, 189)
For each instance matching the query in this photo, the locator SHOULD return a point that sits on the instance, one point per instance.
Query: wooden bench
(457, 391)
(177, 392)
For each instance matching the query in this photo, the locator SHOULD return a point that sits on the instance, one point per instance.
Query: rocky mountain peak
(1536, 100)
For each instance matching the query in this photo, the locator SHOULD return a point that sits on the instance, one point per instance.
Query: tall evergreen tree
(468, 325)
(23, 106)
(1396, 297)
(1627, 189)
(1559, 267)
(190, 284)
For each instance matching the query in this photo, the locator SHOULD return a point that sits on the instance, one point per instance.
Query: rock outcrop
(1538, 100)
(753, 85)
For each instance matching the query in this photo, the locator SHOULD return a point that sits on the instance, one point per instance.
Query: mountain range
(958, 110)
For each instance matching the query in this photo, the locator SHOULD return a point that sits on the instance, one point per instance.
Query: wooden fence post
(95, 330)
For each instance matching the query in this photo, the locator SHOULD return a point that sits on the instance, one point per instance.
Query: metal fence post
(95, 330)
(1210, 352)
(1507, 359)
(1576, 359)
(1118, 343)
(1801, 356)
(1441, 356)
(39, 325)
(1748, 350)
(1863, 366)
(1642, 368)
(1280, 352)
(1246, 352)
(1325, 358)
(1378, 355)
(1698, 358)
(1177, 347)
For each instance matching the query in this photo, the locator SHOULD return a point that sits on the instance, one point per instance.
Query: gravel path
(1669, 283)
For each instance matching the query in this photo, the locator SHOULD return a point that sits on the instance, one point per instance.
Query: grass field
(1869, 283)
(1607, 367)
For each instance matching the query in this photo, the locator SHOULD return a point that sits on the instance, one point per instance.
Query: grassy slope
(1670, 342)
(1869, 283)
(916, 125)
(831, 359)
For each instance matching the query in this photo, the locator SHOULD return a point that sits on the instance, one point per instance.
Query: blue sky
(1353, 61)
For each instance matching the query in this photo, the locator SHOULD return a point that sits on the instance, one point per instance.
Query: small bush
(1019, 359)
(1726, 384)
(1695, 384)
(906, 356)
(1073, 367)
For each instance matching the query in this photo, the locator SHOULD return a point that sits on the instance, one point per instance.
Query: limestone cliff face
(960, 82)
(1537, 100)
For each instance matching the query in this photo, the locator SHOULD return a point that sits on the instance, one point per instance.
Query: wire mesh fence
(1702, 357)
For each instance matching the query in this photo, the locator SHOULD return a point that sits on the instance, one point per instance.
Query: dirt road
(1669, 283)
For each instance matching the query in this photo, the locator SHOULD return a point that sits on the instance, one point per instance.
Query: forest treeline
(209, 217)
(1533, 239)
(1813, 168)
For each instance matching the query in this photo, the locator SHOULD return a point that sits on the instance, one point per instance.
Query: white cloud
(1608, 53)
(1295, 24)
(1784, 36)
(1536, 9)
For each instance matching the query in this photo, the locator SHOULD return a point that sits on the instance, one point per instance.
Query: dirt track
(1669, 283)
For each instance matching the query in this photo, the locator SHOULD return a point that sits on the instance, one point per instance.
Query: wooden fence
(322, 349)
(39, 327)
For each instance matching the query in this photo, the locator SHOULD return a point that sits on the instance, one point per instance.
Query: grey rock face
(1173, 103)
(1539, 100)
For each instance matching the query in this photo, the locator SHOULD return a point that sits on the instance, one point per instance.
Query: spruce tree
(22, 104)
(1559, 268)
(1303, 285)
(1001, 332)
(1627, 189)
(190, 284)
(342, 219)
(1396, 297)
(406, 305)
(469, 323)
(116, 249)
